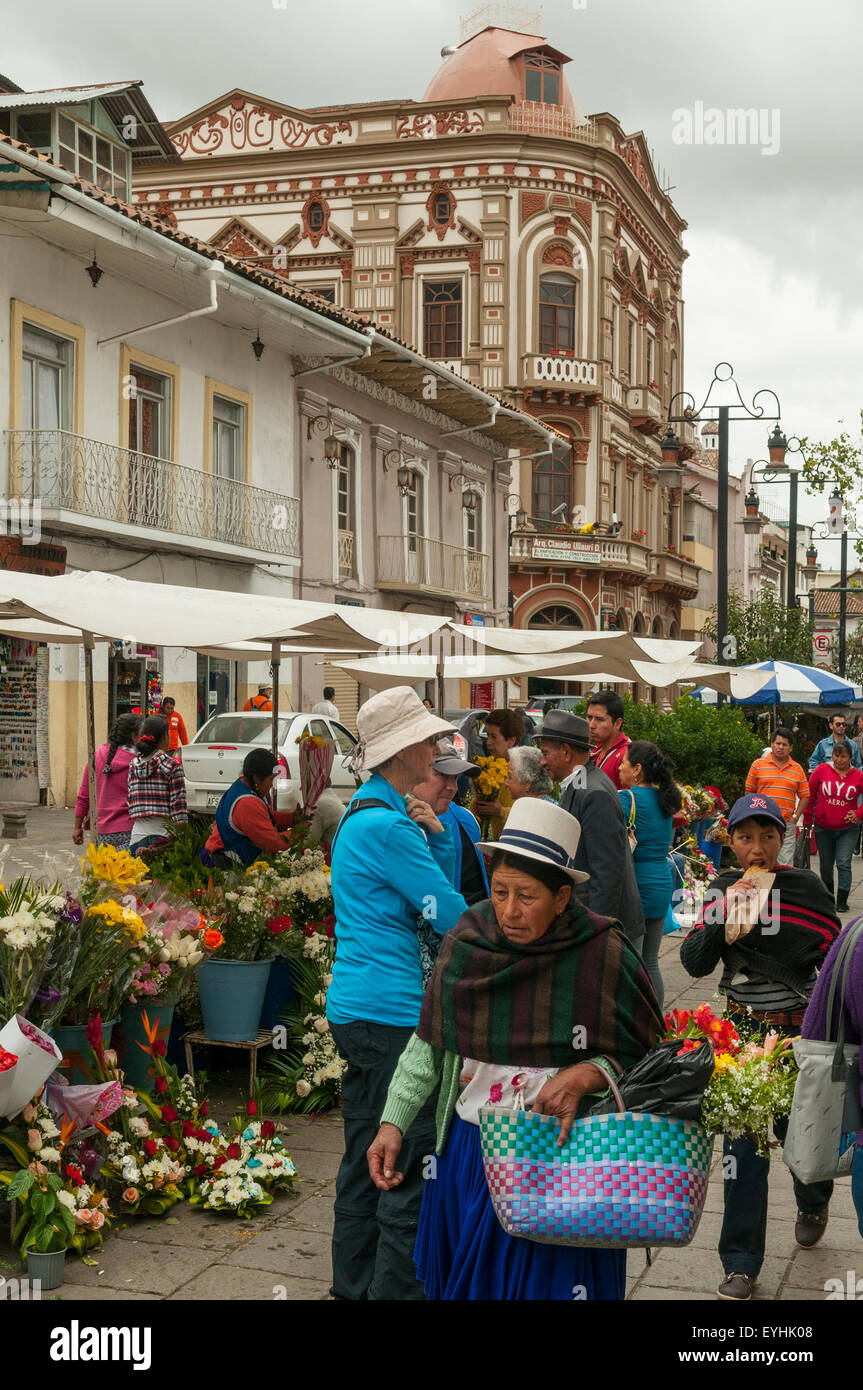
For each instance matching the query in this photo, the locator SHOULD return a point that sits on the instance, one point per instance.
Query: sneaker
(810, 1227)
(736, 1287)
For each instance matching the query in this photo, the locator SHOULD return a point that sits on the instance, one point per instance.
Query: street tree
(763, 629)
(837, 462)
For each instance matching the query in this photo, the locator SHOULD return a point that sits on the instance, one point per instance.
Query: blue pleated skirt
(463, 1252)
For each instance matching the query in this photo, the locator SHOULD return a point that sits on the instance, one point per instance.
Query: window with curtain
(473, 529)
(228, 438)
(557, 313)
(552, 484)
(345, 488)
(46, 379)
(442, 303)
(150, 413)
(541, 79)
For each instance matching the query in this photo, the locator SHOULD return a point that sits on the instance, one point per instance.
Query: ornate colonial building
(498, 230)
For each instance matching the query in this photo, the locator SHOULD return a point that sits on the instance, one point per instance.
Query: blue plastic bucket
(232, 997)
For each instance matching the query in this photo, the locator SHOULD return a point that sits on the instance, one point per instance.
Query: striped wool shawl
(495, 1001)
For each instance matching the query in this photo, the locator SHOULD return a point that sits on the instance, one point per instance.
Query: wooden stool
(253, 1046)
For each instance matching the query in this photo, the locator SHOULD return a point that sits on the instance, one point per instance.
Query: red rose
(169, 1114)
(200, 1169)
(151, 1147)
(204, 1111)
(159, 1049)
(93, 1032)
(171, 1144)
(161, 1085)
(233, 1151)
(189, 1131)
(251, 1108)
(268, 1129)
(217, 1162)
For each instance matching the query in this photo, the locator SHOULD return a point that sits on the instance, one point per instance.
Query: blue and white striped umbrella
(786, 683)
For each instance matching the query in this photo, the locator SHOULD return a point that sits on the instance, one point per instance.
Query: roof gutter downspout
(339, 361)
(480, 425)
(216, 268)
(235, 283)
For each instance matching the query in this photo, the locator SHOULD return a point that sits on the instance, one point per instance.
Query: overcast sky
(774, 282)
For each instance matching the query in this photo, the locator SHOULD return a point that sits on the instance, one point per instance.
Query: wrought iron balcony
(346, 554)
(417, 563)
(88, 486)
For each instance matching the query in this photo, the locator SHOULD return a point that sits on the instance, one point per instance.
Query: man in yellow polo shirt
(777, 775)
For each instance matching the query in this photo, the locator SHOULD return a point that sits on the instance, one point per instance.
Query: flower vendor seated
(512, 981)
(392, 861)
(245, 822)
(504, 729)
(768, 976)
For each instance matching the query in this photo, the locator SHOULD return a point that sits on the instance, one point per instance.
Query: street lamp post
(723, 372)
(777, 470)
(837, 524)
(518, 515)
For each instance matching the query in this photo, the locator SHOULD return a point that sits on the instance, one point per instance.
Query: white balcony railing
(559, 371)
(98, 482)
(539, 118)
(346, 554)
(415, 562)
(641, 400)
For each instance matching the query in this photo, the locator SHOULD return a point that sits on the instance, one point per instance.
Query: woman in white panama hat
(392, 860)
(518, 979)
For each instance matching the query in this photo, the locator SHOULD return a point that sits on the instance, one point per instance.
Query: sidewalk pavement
(285, 1252)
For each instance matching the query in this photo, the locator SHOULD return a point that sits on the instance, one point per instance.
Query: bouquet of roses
(244, 1168)
(178, 939)
(751, 1087)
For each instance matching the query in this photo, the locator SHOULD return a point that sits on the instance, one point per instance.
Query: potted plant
(231, 989)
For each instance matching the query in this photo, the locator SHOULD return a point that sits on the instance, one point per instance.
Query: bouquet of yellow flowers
(492, 775)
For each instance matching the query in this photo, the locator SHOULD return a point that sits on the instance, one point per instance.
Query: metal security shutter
(347, 698)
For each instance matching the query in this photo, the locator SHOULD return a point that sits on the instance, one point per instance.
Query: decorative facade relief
(243, 126)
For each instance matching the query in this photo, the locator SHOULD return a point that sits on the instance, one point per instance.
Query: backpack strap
(364, 803)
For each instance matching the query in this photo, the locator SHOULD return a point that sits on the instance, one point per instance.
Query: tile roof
(511, 429)
(827, 604)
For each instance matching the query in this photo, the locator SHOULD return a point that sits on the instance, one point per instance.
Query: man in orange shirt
(777, 775)
(176, 727)
(262, 700)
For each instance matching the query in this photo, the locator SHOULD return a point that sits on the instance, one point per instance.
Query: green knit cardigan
(419, 1069)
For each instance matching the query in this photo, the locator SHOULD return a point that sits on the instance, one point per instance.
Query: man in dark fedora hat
(590, 796)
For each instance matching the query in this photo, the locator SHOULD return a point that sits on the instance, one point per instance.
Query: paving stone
(702, 1269)
(295, 1253)
(314, 1215)
(201, 1230)
(644, 1294)
(321, 1135)
(812, 1268)
(315, 1164)
(143, 1266)
(227, 1282)
(81, 1293)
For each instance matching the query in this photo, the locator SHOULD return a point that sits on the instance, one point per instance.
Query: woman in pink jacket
(114, 824)
(835, 789)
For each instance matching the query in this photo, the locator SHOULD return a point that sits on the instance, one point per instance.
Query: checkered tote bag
(620, 1180)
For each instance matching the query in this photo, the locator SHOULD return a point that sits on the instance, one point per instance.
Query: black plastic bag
(665, 1082)
(801, 849)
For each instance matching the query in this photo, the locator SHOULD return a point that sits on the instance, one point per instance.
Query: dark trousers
(374, 1232)
(744, 1224)
(836, 846)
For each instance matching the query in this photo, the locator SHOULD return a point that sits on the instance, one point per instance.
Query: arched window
(552, 485)
(557, 313)
(541, 79)
(555, 616)
(442, 301)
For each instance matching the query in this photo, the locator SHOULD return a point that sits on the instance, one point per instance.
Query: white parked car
(214, 758)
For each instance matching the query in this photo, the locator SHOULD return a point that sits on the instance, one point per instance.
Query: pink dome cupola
(501, 62)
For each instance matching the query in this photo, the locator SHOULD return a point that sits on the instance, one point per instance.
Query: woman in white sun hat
(391, 860)
(513, 982)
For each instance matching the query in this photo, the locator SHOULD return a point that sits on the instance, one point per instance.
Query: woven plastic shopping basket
(620, 1180)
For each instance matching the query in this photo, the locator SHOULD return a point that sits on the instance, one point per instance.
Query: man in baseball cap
(589, 795)
(439, 790)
